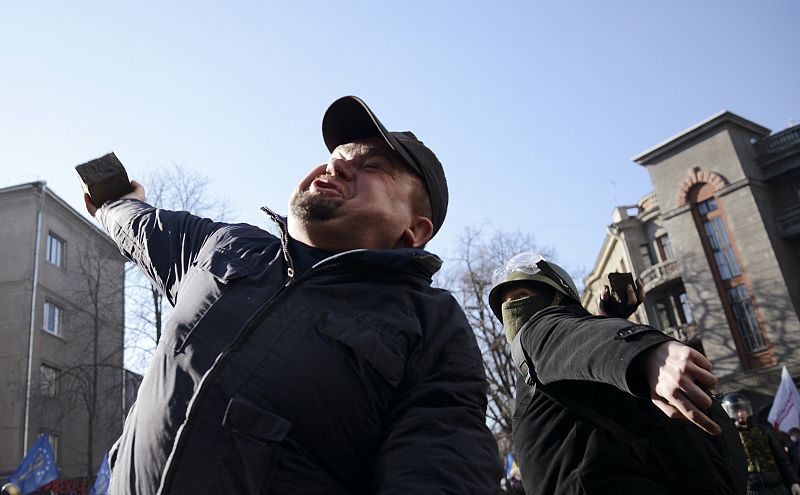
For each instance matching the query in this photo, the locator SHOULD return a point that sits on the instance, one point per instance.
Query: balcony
(659, 274)
(778, 146)
(789, 220)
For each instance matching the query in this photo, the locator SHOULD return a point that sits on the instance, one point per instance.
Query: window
(52, 318)
(55, 250)
(49, 381)
(665, 248)
(647, 256)
(53, 439)
(733, 286)
(746, 318)
(665, 318)
(707, 206)
(685, 308)
(721, 247)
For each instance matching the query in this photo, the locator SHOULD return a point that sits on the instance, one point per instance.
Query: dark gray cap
(349, 119)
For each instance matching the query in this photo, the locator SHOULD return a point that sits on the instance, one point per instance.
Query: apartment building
(61, 363)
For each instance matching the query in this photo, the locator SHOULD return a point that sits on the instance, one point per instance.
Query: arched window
(731, 279)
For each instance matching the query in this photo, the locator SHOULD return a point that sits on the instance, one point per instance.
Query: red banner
(77, 486)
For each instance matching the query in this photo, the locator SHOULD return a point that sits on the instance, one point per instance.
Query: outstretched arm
(566, 343)
(165, 244)
(677, 375)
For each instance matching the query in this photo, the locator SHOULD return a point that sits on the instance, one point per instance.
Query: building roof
(717, 120)
(63, 204)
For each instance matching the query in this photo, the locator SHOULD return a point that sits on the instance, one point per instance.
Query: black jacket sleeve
(568, 343)
(164, 243)
(436, 439)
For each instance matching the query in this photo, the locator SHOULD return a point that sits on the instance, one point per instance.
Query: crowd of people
(321, 359)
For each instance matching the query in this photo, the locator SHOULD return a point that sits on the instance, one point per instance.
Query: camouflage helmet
(735, 402)
(529, 267)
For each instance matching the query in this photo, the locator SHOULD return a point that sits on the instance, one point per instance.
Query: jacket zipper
(250, 323)
(284, 243)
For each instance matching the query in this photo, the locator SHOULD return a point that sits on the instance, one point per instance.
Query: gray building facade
(62, 305)
(717, 245)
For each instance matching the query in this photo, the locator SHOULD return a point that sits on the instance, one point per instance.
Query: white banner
(785, 411)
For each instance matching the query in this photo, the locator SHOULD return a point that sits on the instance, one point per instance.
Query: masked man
(595, 392)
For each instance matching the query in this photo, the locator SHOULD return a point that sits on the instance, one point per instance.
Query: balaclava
(517, 312)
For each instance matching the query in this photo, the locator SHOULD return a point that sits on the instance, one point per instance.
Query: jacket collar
(414, 260)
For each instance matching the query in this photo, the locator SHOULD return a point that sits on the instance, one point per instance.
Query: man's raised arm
(163, 243)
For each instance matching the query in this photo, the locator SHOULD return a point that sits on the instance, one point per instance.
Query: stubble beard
(309, 208)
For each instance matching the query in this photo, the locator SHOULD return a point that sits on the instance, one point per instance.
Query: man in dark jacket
(595, 392)
(320, 361)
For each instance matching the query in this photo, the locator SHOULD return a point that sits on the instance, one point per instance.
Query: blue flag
(37, 468)
(103, 476)
(510, 464)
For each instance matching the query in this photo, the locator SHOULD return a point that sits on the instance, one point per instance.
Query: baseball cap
(349, 119)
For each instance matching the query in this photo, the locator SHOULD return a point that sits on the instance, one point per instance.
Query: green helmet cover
(524, 267)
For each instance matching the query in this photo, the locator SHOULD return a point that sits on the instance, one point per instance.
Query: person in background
(769, 471)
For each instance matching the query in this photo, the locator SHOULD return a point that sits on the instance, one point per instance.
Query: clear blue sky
(533, 107)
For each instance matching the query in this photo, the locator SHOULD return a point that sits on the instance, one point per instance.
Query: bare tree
(174, 188)
(180, 188)
(89, 383)
(468, 275)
